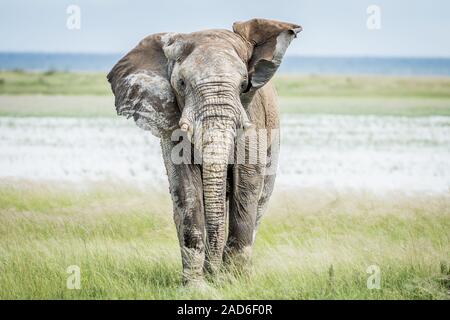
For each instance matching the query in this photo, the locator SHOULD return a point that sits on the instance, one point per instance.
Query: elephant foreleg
(187, 197)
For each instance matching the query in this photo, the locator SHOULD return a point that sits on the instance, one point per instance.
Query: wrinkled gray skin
(219, 80)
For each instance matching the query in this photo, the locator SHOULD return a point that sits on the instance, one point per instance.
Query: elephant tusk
(247, 125)
(185, 127)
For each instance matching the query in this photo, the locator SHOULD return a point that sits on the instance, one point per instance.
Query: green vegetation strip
(89, 95)
(67, 83)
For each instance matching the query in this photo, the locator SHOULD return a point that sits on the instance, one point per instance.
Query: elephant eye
(244, 85)
(181, 84)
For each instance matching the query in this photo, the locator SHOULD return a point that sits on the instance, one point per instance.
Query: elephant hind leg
(268, 185)
(263, 202)
(246, 188)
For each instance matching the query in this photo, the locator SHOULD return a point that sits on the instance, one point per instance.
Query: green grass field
(89, 95)
(312, 243)
(315, 246)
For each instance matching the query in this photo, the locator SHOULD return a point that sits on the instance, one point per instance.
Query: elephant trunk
(218, 130)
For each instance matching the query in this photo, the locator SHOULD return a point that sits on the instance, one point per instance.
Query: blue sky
(331, 28)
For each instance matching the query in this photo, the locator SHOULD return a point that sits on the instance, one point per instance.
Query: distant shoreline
(302, 65)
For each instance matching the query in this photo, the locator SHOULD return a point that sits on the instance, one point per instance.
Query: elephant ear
(141, 85)
(269, 40)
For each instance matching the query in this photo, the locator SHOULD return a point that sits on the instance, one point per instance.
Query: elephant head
(202, 79)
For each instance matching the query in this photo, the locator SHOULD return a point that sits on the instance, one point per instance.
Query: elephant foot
(192, 265)
(189, 279)
(194, 283)
(212, 265)
(238, 260)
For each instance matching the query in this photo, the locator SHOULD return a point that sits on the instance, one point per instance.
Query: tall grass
(311, 244)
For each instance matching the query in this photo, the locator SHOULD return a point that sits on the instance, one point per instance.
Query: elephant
(218, 81)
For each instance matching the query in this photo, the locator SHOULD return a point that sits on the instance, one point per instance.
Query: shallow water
(337, 152)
